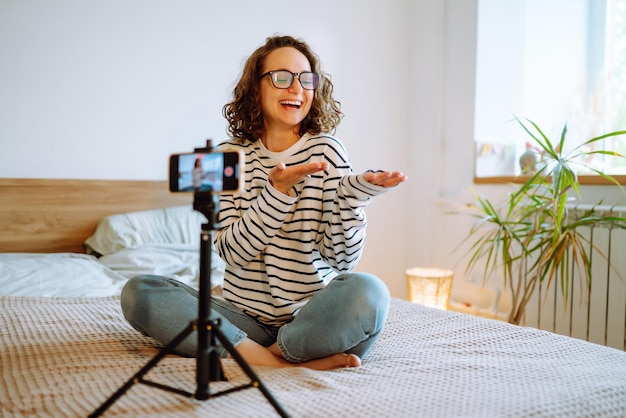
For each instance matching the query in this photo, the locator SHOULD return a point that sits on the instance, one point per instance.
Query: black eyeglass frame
(317, 78)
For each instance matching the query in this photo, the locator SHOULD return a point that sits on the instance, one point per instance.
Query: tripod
(208, 367)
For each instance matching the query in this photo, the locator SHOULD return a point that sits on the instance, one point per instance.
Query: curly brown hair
(243, 113)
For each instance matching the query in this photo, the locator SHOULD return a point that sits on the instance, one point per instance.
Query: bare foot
(335, 361)
(257, 355)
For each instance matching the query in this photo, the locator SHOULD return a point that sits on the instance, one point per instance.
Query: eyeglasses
(283, 79)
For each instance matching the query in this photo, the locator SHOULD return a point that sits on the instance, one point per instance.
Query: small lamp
(429, 286)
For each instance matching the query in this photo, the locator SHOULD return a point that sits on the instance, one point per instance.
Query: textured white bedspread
(66, 356)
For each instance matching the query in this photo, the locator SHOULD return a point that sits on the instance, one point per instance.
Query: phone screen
(217, 172)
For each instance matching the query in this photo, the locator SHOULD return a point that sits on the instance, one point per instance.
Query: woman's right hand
(283, 178)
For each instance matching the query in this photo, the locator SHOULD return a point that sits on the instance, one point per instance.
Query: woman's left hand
(385, 178)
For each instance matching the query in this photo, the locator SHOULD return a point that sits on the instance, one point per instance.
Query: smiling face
(285, 109)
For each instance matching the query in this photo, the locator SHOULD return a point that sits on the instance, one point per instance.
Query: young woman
(292, 238)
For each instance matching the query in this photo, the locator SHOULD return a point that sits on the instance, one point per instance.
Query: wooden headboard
(47, 215)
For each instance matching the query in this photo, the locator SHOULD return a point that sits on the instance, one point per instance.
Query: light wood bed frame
(50, 215)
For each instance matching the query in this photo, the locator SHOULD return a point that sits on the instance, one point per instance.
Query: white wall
(94, 89)
(107, 90)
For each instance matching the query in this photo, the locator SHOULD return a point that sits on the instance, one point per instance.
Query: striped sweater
(281, 249)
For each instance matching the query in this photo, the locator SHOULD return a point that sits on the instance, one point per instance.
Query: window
(616, 91)
(554, 62)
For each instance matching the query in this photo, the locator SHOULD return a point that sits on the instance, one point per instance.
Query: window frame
(583, 179)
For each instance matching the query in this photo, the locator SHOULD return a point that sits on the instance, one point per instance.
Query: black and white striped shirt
(281, 249)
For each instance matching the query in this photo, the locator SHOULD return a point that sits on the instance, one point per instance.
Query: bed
(67, 247)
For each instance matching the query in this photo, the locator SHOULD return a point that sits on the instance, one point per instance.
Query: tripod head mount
(204, 202)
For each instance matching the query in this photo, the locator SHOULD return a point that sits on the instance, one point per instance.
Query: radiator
(598, 316)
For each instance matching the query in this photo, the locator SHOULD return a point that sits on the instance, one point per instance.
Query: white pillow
(174, 225)
(163, 241)
(58, 274)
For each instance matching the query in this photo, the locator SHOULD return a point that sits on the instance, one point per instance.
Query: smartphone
(217, 172)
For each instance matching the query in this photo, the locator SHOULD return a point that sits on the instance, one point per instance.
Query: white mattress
(65, 356)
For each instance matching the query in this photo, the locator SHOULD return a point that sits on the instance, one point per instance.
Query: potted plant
(527, 236)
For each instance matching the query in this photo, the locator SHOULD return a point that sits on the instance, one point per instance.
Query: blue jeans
(345, 317)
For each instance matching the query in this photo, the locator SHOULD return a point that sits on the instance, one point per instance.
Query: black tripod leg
(256, 382)
(208, 366)
(138, 377)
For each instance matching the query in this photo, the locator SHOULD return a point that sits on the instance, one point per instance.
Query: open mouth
(296, 104)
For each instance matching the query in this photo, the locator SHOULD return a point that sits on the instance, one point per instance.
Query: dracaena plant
(529, 237)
